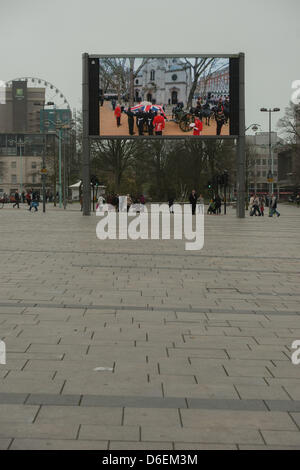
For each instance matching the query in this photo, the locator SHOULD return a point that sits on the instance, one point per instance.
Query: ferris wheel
(52, 93)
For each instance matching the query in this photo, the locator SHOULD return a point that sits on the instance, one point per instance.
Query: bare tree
(115, 156)
(198, 67)
(132, 76)
(289, 128)
(114, 74)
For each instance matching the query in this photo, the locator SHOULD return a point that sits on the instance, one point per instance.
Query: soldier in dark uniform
(220, 117)
(150, 117)
(140, 119)
(130, 116)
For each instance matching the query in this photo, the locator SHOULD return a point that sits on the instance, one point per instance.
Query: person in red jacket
(118, 114)
(158, 123)
(197, 129)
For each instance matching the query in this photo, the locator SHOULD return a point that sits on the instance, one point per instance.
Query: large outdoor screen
(161, 96)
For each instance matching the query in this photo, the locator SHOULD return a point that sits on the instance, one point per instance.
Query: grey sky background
(46, 39)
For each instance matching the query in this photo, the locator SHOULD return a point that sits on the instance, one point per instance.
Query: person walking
(218, 204)
(171, 200)
(262, 205)
(117, 113)
(34, 204)
(17, 200)
(193, 201)
(28, 198)
(273, 206)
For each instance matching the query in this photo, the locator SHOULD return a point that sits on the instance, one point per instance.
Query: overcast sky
(46, 39)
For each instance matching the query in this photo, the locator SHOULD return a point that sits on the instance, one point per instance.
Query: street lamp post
(271, 158)
(49, 103)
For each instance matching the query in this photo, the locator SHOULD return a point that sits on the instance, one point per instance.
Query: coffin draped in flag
(146, 106)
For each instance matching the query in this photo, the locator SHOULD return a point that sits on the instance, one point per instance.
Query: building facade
(21, 157)
(164, 81)
(20, 113)
(215, 84)
(259, 162)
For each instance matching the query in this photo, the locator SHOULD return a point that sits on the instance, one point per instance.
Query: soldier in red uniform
(158, 123)
(197, 129)
(118, 114)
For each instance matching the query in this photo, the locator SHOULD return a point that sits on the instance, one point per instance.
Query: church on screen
(164, 80)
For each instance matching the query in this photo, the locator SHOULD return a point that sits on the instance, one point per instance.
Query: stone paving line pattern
(194, 348)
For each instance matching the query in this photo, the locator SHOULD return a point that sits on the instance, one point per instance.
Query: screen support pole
(85, 137)
(240, 204)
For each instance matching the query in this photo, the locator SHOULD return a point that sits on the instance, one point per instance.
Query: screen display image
(162, 96)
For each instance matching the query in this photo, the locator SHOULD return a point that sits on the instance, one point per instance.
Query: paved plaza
(143, 345)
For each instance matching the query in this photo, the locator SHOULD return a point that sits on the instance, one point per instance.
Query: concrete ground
(193, 349)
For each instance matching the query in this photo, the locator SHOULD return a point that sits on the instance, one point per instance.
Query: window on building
(264, 162)
(13, 164)
(264, 173)
(14, 179)
(152, 75)
(33, 165)
(33, 179)
(258, 174)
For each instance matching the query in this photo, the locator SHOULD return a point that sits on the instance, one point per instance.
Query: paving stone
(107, 432)
(283, 405)
(124, 445)
(62, 444)
(53, 399)
(282, 438)
(208, 435)
(196, 446)
(39, 431)
(261, 392)
(30, 386)
(129, 401)
(151, 417)
(5, 443)
(17, 413)
(80, 415)
(201, 391)
(13, 398)
(223, 404)
(240, 419)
